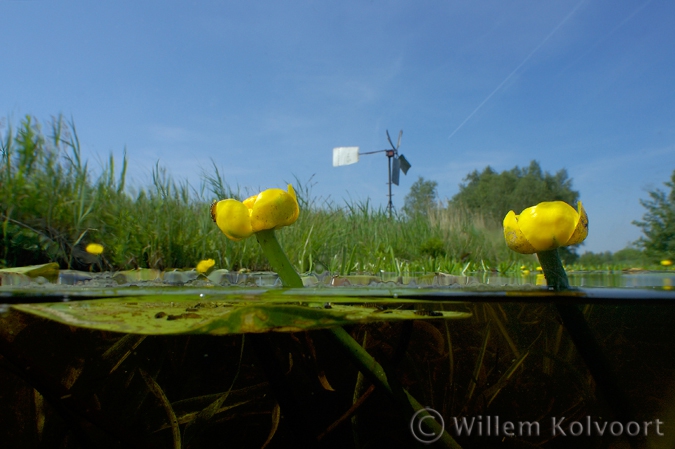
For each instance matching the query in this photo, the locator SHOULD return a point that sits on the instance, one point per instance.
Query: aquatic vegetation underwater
(70, 386)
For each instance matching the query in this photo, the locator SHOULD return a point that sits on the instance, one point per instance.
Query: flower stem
(364, 361)
(387, 381)
(278, 260)
(587, 345)
(556, 277)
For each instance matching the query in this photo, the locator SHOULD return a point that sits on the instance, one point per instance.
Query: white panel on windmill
(345, 156)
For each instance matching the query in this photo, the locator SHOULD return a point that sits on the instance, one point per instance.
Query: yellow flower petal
(581, 229)
(205, 265)
(270, 209)
(546, 226)
(250, 201)
(94, 248)
(514, 236)
(274, 208)
(233, 219)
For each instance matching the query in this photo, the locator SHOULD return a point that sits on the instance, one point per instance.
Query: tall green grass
(52, 205)
(356, 237)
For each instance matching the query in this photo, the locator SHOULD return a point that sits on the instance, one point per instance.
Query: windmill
(395, 162)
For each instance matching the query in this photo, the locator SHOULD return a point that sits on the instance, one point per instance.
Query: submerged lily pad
(156, 315)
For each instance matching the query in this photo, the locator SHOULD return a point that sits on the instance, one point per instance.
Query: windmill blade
(390, 142)
(404, 164)
(400, 133)
(395, 171)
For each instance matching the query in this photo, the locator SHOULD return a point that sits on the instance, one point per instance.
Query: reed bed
(52, 205)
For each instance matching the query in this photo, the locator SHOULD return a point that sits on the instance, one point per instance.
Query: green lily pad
(158, 315)
(141, 274)
(25, 275)
(46, 270)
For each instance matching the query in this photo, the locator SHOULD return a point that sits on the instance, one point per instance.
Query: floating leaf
(139, 275)
(46, 270)
(159, 315)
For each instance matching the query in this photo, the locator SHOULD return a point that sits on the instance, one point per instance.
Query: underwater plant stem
(277, 258)
(366, 364)
(556, 277)
(599, 366)
(585, 342)
(377, 374)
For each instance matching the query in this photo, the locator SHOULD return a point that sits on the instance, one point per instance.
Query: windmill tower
(396, 163)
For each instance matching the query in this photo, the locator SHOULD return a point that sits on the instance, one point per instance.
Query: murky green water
(485, 348)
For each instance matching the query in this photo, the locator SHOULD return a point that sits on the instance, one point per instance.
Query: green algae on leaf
(157, 315)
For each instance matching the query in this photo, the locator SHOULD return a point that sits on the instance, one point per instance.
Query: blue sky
(266, 89)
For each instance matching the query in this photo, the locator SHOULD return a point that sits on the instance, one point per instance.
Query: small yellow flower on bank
(94, 248)
(546, 226)
(270, 209)
(666, 263)
(205, 265)
(540, 279)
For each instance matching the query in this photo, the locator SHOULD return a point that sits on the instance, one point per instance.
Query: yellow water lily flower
(94, 248)
(205, 265)
(546, 226)
(270, 209)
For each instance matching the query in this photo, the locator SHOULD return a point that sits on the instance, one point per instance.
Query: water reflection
(665, 280)
(148, 278)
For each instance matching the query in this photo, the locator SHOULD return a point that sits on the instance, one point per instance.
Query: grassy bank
(52, 206)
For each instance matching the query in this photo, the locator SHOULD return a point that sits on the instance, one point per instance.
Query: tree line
(492, 195)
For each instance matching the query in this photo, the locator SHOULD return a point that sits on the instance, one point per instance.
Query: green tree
(494, 194)
(658, 224)
(422, 197)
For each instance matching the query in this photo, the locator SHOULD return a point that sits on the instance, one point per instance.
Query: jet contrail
(602, 39)
(562, 22)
